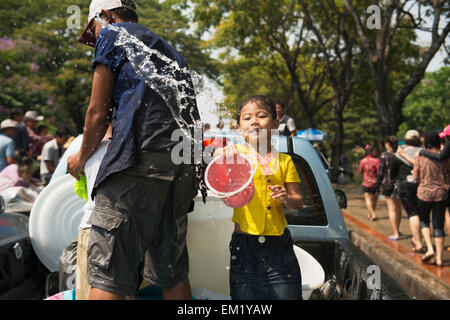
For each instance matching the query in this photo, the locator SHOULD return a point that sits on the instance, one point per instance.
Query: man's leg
(181, 291)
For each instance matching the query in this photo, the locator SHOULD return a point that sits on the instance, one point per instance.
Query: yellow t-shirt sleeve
(291, 172)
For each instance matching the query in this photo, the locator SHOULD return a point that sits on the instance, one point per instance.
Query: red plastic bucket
(232, 180)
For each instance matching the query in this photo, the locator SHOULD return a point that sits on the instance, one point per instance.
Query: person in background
(287, 124)
(51, 153)
(19, 174)
(368, 166)
(21, 140)
(8, 128)
(220, 125)
(42, 131)
(433, 178)
(36, 142)
(389, 190)
(442, 156)
(401, 172)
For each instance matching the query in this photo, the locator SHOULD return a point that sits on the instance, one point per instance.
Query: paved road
(372, 237)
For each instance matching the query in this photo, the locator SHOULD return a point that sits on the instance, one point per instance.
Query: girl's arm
(289, 195)
(445, 153)
(416, 170)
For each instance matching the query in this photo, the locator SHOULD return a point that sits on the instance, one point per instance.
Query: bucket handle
(221, 195)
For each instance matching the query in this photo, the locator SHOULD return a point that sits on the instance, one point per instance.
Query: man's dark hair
(431, 140)
(125, 13)
(15, 112)
(262, 101)
(40, 128)
(281, 103)
(62, 132)
(414, 141)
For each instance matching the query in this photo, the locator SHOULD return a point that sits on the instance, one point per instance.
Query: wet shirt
(433, 178)
(369, 167)
(264, 215)
(142, 120)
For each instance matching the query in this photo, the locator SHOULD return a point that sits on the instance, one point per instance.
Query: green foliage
(428, 106)
(44, 68)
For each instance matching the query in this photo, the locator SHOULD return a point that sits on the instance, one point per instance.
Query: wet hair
(125, 13)
(431, 140)
(392, 141)
(260, 100)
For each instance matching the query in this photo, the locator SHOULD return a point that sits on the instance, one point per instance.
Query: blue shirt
(142, 119)
(6, 150)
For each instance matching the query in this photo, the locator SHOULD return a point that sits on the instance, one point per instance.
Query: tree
(334, 32)
(428, 106)
(49, 71)
(252, 34)
(398, 19)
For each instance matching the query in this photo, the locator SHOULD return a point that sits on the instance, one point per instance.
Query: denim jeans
(264, 268)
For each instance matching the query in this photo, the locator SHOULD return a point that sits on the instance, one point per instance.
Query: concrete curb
(417, 282)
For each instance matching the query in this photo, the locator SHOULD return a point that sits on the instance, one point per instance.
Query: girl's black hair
(262, 101)
(431, 140)
(393, 142)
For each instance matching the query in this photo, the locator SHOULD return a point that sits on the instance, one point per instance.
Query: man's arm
(97, 119)
(10, 152)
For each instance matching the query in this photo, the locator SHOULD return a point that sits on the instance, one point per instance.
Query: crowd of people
(28, 153)
(417, 178)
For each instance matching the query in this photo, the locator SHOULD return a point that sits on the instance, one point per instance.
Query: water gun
(80, 187)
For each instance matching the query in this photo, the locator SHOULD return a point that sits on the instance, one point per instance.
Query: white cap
(8, 123)
(98, 5)
(33, 115)
(410, 134)
(87, 37)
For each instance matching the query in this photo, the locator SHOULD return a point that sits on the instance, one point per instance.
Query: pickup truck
(332, 267)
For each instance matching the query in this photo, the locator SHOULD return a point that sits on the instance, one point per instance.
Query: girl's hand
(279, 193)
(227, 152)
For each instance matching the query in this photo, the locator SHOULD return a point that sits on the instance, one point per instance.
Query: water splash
(173, 83)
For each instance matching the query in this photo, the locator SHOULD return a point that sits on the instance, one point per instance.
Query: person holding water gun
(263, 263)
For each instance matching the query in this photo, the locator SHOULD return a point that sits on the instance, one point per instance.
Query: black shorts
(407, 193)
(139, 226)
(369, 190)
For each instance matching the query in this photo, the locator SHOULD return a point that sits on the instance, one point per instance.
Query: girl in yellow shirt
(263, 264)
